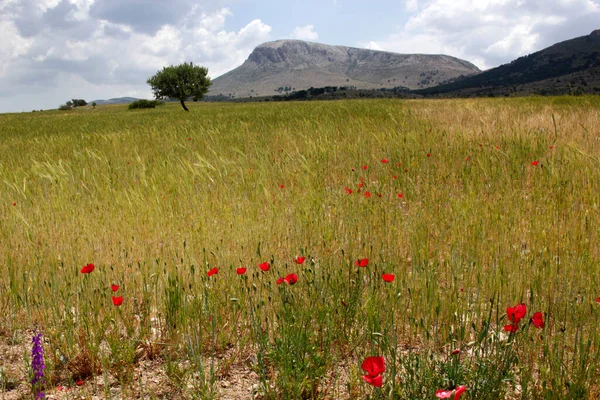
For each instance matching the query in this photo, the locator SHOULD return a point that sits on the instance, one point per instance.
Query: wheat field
(468, 207)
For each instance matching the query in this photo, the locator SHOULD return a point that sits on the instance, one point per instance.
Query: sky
(55, 50)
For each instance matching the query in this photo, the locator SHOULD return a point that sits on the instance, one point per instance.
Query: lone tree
(180, 82)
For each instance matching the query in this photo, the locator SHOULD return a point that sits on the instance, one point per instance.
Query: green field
(462, 214)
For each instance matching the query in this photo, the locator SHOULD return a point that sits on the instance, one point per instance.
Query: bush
(65, 107)
(145, 104)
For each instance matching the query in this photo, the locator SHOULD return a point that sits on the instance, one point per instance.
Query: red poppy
(213, 271)
(14, 204)
(362, 262)
(374, 367)
(348, 190)
(551, 147)
(399, 164)
(117, 301)
(189, 138)
(428, 154)
(114, 288)
(385, 161)
(280, 186)
(291, 279)
(516, 313)
(388, 277)
(447, 394)
(538, 320)
(364, 167)
(395, 177)
(376, 381)
(467, 159)
(299, 260)
(80, 382)
(456, 352)
(598, 300)
(534, 163)
(88, 268)
(361, 184)
(241, 271)
(400, 195)
(279, 281)
(367, 194)
(511, 328)
(264, 266)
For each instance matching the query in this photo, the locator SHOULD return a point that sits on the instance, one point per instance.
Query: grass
(156, 198)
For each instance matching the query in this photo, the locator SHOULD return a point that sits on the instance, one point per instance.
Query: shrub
(145, 104)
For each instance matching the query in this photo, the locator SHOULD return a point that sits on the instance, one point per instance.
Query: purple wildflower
(37, 365)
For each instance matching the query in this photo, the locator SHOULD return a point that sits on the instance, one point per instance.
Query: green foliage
(180, 82)
(145, 104)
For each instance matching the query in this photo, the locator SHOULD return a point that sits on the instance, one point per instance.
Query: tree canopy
(180, 82)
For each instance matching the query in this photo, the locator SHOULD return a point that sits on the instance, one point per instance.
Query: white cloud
(411, 5)
(372, 46)
(490, 32)
(306, 32)
(112, 59)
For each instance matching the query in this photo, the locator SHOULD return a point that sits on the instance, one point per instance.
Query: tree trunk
(183, 105)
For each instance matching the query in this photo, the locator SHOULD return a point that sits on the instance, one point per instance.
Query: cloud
(70, 49)
(490, 32)
(305, 33)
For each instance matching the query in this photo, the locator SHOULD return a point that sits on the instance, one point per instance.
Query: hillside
(569, 66)
(290, 65)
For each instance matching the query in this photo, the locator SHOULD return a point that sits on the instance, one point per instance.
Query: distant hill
(569, 66)
(119, 100)
(285, 66)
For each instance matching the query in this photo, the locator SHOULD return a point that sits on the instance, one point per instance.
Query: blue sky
(55, 50)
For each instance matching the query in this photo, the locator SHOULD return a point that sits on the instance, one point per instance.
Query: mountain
(119, 100)
(566, 67)
(291, 65)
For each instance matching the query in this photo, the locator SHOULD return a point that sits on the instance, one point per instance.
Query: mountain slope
(119, 100)
(288, 65)
(575, 57)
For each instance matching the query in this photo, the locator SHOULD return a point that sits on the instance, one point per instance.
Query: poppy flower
(385, 161)
(374, 367)
(299, 260)
(376, 381)
(291, 279)
(264, 266)
(367, 194)
(362, 262)
(280, 186)
(241, 271)
(15, 204)
(88, 269)
(456, 352)
(516, 313)
(534, 163)
(361, 184)
(348, 190)
(213, 271)
(388, 277)
(117, 301)
(395, 177)
(114, 288)
(80, 382)
(551, 147)
(279, 281)
(598, 300)
(364, 167)
(451, 394)
(538, 320)
(428, 154)
(400, 195)
(511, 328)
(467, 159)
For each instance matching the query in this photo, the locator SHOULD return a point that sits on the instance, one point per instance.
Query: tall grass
(157, 198)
